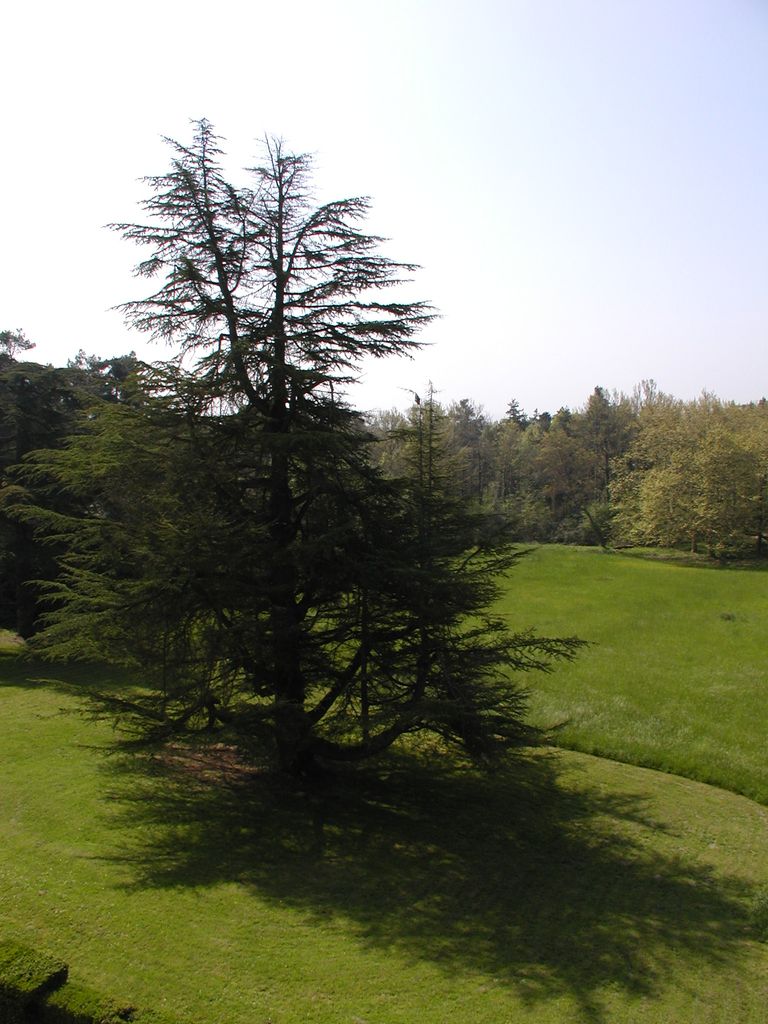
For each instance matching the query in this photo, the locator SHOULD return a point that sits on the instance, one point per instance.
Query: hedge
(35, 989)
(25, 978)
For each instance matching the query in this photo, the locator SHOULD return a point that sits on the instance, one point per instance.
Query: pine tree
(237, 544)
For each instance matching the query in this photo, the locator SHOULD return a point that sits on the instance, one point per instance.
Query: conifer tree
(236, 543)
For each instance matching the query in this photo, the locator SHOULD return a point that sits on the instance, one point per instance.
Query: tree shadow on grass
(545, 887)
(80, 680)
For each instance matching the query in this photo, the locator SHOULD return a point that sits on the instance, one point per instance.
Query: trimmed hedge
(35, 989)
(25, 976)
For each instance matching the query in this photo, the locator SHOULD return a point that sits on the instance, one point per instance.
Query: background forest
(643, 469)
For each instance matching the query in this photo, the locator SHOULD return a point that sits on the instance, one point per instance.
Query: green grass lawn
(10, 643)
(567, 889)
(677, 678)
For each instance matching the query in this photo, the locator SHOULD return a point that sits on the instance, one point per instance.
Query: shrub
(25, 975)
(34, 987)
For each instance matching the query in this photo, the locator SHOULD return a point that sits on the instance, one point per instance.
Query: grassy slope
(575, 889)
(678, 674)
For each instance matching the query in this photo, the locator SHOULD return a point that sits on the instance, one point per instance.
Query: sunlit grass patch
(566, 889)
(678, 674)
(10, 642)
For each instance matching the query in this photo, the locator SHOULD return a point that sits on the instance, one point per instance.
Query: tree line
(622, 470)
(41, 406)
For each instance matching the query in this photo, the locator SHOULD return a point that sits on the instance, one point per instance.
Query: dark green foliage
(37, 405)
(547, 475)
(40, 406)
(24, 975)
(34, 987)
(27, 972)
(434, 598)
(228, 535)
(168, 581)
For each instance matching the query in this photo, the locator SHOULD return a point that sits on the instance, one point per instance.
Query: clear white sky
(585, 182)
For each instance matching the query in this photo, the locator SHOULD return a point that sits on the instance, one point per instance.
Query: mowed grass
(10, 643)
(565, 889)
(677, 678)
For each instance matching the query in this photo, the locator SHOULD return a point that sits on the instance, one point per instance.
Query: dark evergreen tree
(236, 542)
(37, 410)
(452, 655)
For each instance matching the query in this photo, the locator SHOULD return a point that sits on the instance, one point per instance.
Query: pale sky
(584, 182)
